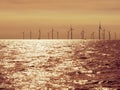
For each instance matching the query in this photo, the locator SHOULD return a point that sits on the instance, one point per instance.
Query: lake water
(59, 65)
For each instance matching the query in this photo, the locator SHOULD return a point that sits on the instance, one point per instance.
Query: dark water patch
(5, 82)
(2, 46)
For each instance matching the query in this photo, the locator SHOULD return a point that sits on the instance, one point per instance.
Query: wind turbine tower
(52, 33)
(109, 33)
(23, 35)
(67, 34)
(99, 31)
(39, 37)
(30, 35)
(71, 32)
(83, 34)
(57, 35)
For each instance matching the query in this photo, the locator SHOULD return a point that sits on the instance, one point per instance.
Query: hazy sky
(17, 16)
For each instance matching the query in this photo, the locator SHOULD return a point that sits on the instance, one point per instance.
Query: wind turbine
(52, 33)
(57, 35)
(30, 35)
(109, 35)
(39, 36)
(23, 35)
(83, 34)
(71, 32)
(99, 31)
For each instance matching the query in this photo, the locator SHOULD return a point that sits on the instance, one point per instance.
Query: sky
(17, 16)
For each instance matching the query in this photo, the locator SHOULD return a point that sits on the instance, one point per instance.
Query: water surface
(59, 65)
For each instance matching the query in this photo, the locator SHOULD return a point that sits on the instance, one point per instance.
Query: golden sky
(17, 16)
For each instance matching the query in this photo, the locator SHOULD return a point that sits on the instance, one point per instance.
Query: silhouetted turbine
(52, 33)
(99, 31)
(57, 35)
(83, 34)
(39, 36)
(23, 35)
(30, 35)
(71, 32)
(109, 34)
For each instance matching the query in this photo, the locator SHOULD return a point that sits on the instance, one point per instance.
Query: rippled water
(59, 65)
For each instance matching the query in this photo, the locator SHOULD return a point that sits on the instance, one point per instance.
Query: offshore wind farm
(101, 34)
(59, 44)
